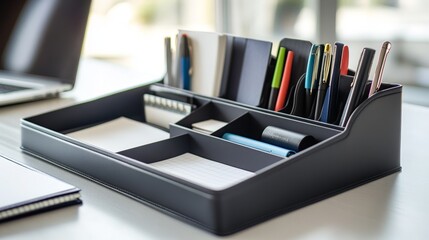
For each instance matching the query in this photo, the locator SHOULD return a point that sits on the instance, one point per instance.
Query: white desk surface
(394, 207)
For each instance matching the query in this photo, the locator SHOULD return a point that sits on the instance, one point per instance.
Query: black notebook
(26, 191)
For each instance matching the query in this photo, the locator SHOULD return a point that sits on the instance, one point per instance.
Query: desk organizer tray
(262, 185)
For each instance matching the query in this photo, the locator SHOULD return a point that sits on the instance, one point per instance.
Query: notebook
(40, 46)
(207, 60)
(25, 191)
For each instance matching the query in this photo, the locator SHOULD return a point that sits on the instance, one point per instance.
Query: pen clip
(315, 67)
(327, 60)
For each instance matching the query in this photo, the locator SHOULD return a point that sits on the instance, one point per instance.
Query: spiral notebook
(25, 191)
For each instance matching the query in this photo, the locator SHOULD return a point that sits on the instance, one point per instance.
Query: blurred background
(130, 33)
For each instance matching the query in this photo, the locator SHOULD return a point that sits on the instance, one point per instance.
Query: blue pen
(258, 145)
(185, 62)
(308, 79)
(330, 105)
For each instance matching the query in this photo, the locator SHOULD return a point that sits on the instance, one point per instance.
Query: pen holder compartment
(301, 49)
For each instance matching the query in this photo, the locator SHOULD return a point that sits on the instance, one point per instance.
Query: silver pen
(378, 77)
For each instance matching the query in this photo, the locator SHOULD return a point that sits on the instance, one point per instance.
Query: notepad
(207, 60)
(202, 171)
(120, 134)
(26, 191)
(208, 126)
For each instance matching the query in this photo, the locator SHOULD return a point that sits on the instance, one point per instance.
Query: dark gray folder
(246, 64)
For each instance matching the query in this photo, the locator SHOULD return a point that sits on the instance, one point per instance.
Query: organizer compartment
(367, 148)
(203, 146)
(212, 110)
(252, 124)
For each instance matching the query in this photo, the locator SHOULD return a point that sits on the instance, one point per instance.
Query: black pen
(323, 82)
(358, 85)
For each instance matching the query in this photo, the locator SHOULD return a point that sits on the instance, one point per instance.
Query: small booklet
(26, 191)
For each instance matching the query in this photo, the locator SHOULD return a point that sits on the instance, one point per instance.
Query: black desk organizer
(366, 149)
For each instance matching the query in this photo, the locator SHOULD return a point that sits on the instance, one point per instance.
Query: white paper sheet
(120, 134)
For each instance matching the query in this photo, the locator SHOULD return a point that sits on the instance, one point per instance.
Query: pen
(266, 147)
(323, 82)
(284, 87)
(185, 62)
(278, 71)
(168, 58)
(378, 77)
(309, 77)
(331, 99)
(358, 85)
(312, 74)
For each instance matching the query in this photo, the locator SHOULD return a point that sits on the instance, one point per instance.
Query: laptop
(40, 47)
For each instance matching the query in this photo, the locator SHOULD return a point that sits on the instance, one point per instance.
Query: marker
(378, 77)
(344, 69)
(278, 71)
(258, 145)
(284, 87)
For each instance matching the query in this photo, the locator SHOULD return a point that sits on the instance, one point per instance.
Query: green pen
(278, 71)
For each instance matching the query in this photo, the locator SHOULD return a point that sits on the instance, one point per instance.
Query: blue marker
(185, 63)
(283, 152)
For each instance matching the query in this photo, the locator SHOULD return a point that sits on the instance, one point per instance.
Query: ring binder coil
(161, 111)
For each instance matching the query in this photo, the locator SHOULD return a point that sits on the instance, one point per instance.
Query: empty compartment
(201, 160)
(119, 134)
(211, 117)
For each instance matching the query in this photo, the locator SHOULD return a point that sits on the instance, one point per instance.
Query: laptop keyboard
(9, 88)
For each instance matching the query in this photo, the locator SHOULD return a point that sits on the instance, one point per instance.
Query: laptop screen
(42, 37)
